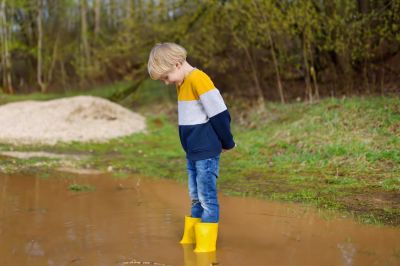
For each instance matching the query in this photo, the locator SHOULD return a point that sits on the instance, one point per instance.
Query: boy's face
(175, 76)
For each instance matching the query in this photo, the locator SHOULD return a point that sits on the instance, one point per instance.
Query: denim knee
(207, 173)
(202, 183)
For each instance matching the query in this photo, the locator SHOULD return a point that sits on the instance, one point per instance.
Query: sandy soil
(81, 118)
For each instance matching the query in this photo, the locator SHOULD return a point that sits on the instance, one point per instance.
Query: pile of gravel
(82, 118)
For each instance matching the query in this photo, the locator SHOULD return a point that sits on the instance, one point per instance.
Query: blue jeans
(203, 176)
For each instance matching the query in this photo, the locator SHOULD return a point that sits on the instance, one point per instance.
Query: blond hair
(163, 57)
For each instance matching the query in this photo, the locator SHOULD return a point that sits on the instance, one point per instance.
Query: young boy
(204, 131)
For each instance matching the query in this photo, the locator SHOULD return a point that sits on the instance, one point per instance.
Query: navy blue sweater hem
(202, 155)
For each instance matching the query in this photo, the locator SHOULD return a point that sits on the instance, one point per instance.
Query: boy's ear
(178, 65)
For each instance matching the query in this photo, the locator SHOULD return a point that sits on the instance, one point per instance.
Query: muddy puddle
(135, 221)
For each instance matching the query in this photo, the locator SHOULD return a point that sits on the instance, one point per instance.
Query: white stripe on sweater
(191, 113)
(198, 112)
(212, 102)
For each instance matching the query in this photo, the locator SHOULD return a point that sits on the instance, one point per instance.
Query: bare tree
(53, 59)
(5, 53)
(306, 66)
(254, 73)
(40, 81)
(97, 17)
(272, 50)
(128, 9)
(84, 35)
(112, 14)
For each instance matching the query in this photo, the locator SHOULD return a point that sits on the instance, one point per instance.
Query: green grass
(339, 154)
(391, 184)
(81, 187)
(31, 165)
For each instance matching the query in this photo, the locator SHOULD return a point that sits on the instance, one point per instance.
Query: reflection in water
(71, 234)
(191, 258)
(33, 248)
(348, 251)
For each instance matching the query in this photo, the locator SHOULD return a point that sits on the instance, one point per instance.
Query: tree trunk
(97, 17)
(313, 74)
(307, 71)
(53, 59)
(5, 53)
(257, 87)
(84, 35)
(63, 73)
(111, 14)
(128, 9)
(254, 74)
(382, 81)
(365, 77)
(276, 66)
(139, 13)
(42, 85)
(272, 50)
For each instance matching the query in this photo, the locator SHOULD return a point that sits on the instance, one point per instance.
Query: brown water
(134, 221)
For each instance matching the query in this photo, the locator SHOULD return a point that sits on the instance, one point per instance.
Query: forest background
(265, 50)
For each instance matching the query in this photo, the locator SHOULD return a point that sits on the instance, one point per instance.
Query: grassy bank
(341, 154)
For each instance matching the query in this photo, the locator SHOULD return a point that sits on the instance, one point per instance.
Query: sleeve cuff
(229, 145)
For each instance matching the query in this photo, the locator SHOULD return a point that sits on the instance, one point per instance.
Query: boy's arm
(219, 116)
(216, 110)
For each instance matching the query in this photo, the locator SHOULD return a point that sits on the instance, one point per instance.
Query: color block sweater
(204, 120)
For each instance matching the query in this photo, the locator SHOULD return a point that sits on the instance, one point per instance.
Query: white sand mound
(82, 118)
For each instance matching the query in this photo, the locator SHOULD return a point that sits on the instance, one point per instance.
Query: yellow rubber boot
(206, 237)
(189, 257)
(206, 258)
(188, 231)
